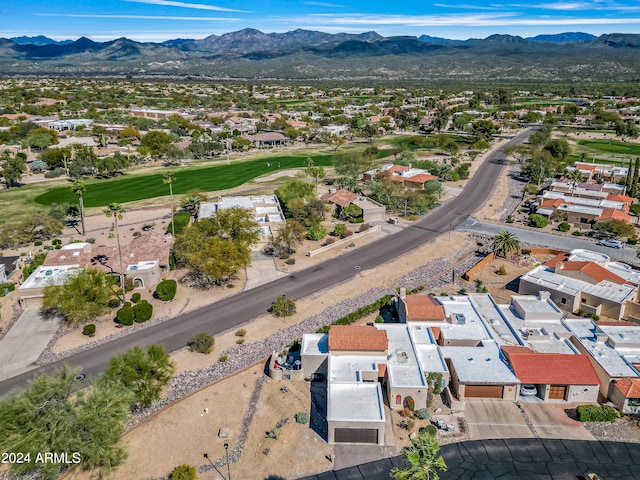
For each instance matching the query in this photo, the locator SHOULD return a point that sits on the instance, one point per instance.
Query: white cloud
(141, 17)
(323, 4)
(197, 6)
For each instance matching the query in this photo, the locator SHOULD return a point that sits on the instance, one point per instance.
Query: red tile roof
(629, 387)
(559, 258)
(357, 338)
(552, 202)
(516, 350)
(341, 197)
(554, 369)
(396, 169)
(612, 213)
(591, 269)
(421, 178)
(424, 307)
(616, 197)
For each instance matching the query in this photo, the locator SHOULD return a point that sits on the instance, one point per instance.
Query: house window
(399, 400)
(563, 301)
(138, 283)
(633, 402)
(584, 300)
(584, 220)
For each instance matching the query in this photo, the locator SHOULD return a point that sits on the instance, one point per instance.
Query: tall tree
(13, 166)
(78, 190)
(83, 297)
(168, 179)
(116, 210)
(145, 373)
(505, 242)
(52, 417)
(289, 236)
(317, 173)
(422, 459)
(634, 180)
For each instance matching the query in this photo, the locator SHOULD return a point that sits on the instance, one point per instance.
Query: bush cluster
(184, 472)
(166, 290)
(135, 298)
(596, 413)
(352, 317)
(564, 227)
(125, 314)
(89, 329)
(113, 303)
(142, 311)
(316, 232)
(201, 343)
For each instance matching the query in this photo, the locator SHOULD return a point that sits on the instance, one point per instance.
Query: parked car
(528, 390)
(611, 243)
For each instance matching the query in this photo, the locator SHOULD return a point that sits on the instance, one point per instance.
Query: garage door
(557, 392)
(356, 435)
(483, 391)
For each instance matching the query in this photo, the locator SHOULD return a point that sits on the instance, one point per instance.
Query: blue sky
(158, 20)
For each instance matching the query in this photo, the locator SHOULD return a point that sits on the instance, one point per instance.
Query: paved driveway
(490, 418)
(24, 342)
(552, 421)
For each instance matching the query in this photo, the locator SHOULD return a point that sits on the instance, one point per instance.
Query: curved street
(233, 311)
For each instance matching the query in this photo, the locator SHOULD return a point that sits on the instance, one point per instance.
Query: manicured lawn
(207, 179)
(612, 146)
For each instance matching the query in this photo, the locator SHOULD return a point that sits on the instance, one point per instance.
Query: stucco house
(626, 395)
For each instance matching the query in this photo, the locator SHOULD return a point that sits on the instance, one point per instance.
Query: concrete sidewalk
(517, 459)
(24, 342)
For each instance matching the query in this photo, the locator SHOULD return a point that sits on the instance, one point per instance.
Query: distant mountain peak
(565, 37)
(38, 40)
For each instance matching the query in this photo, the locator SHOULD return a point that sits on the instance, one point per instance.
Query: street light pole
(226, 450)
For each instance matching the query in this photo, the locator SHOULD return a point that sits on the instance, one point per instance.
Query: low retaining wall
(342, 241)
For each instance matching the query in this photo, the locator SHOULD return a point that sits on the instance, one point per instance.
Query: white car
(611, 243)
(528, 390)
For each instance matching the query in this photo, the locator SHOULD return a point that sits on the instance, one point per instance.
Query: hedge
(361, 312)
(166, 290)
(142, 311)
(596, 413)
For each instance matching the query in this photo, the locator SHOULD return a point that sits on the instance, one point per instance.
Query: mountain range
(305, 54)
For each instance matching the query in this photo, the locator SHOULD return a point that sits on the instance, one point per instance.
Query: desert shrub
(410, 403)
(90, 240)
(501, 270)
(316, 232)
(135, 298)
(290, 261)
(509, 219)
(89, 329)
(577, 233)
(596, 413)
(347, 233)
(379, 319)
(423, 413)
(137, 233)
(128, 284)
(142, 311)
(632, 241)
(55, 173)
(56, 241)
(538, 221)
(125, 314)
(241, 332)
(564, 227)
(302, 417)
(412, 218)
(223, 358)
(240, 341)
(329, 241)
(202, 343)
(526, 251)
(184, 472)
(339, 230)
(364, 227)
(166, 290)
(113, 303)
(37, 243)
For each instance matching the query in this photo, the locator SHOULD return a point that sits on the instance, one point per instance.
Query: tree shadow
(318, 417)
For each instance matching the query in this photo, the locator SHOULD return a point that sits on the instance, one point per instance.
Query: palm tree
(79, 189)
(575, 177)
(504, 242)
(192, 200)
(169, 178)
(116, 210)
(423, 460)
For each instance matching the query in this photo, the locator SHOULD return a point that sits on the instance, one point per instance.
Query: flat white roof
(581, 209)
(349, 368)
(355, 402)
(403, 367)
(583, 255)
(315, 344)
(534, 306)
(622, 336)
(544, 277)
(480, 364)
(473, 328)
(49, 275)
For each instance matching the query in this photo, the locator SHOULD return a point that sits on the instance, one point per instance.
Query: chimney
(544, 296)
(410, 166)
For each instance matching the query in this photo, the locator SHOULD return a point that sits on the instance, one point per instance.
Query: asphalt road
(552, 240)
(233, 311)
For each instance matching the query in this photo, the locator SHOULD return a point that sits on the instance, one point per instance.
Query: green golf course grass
(207, 179)
(612, 146)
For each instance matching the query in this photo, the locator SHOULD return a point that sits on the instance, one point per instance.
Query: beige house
(626, 395)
